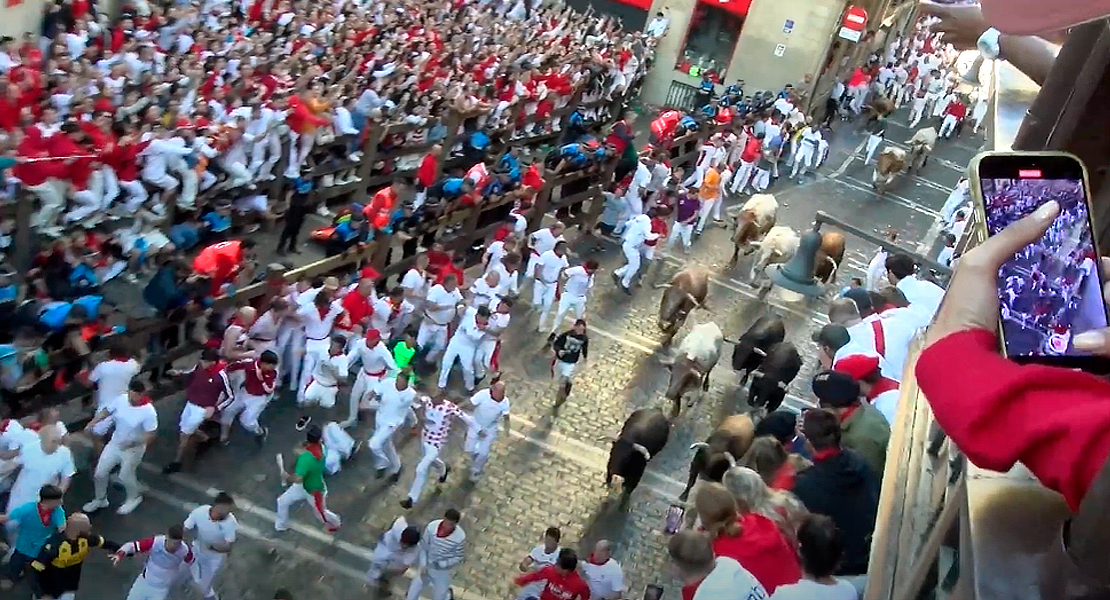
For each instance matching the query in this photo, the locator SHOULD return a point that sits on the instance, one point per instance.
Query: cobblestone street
(550, 471)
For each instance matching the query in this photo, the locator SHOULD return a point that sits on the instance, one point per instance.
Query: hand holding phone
(653, 592)
(1050, 290)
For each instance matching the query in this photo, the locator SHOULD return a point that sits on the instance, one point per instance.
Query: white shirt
(394, 404)
(376, 360)
(112, 378)
(944, 257)
(39, 469)
(468, 331)
(657, 27)
(440, 296)
(415, 283)
(640, 180)
(317, 327)
(488, 412)
(484, 294)
(540, 559)
(639, 231)
(208, 532)
(548, 266)
(494, 253)
(807, 589)
(887, 403)
(876, 272)
(924, 297)
(578, 281)
(389, 549)
(323, 373)
(132, 423)
(604, 580)
(509, 282)
(543, 240)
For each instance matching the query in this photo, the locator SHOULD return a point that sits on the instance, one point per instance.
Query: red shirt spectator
(762, 549)
(426, 174)
(358, 308)
(956, 109)
(221, 262)
(558, 584)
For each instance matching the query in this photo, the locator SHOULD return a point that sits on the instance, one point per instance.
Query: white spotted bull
(644, 434)
(890, 163)
(777, 247)
(697, 354)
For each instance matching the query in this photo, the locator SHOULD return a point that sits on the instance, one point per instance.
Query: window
(711, 39)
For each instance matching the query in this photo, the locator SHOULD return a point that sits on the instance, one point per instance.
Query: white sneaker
(328, 180)
(323, 211)
(95, 505)
(127, 507)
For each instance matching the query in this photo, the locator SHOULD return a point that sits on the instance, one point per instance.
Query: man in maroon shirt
(207, 391)
(561, 580)
(259, 380)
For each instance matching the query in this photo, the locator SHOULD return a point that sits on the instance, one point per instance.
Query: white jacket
(730, 581)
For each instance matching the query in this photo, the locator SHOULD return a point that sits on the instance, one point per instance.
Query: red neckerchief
(144, 400)
(594, 561)
(849, 411)
(323, 312)
(45, 514)
(825, 454)
(441, 531)
(394, 309)
(884, 384)
(688, 591)
(316, 450)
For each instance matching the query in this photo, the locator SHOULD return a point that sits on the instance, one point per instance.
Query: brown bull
(686, 291)
(890, 163)
(829, 256)
(748, 232)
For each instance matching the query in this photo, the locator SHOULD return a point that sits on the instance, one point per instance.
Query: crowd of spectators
(141, 138)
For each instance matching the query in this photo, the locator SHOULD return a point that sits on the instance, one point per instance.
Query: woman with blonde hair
(749, 489)
(749, 538)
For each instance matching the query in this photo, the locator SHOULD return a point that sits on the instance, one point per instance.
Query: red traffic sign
(854, 23)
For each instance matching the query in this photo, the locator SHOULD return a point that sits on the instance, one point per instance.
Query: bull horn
(642, 450)
(782, 385)
(699, 446)
(731, 459)
(607, 438)
(731, 341)
(693, 299)
(760, 351)
(662, 286)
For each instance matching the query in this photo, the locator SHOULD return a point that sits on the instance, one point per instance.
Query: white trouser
(239, 174)
(206, 566)
(483, 357)
(339, 445)
(360, 391)
(695, 178)
(88, 202)
(265, 155)
(948, 126)
(320, 394)
(432, 338)
(189, 182)
(760, 180)
(708, 207)
(440, 579)
(479, 442)
(317, 501)
(683, 231)
(543, 297)
(632, 264)
(143, 589)
(858, 94)
(462, 349)
(803, 158)
(314, 352)
(740, 178)
(916, 112)
(420, 478)
(136, 194)
(938, 108)
(51, 194)
(248, 408)
(381, 446)
(300, 144)
(110, 184)
(873, 143)
(127, 460)
(569, 303)
(290, 349)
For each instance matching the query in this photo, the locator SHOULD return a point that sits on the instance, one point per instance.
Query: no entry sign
(855, 22)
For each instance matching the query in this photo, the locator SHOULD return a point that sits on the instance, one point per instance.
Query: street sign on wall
(854, 24)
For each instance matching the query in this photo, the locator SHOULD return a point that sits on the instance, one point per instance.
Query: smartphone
(1051, 290)
(675, 513)
(653, 592)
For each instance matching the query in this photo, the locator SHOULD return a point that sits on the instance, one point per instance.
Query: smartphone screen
(653, 592)
(1052, 289)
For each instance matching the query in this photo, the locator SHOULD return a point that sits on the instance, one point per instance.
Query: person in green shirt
(306, 483)
(404, 352)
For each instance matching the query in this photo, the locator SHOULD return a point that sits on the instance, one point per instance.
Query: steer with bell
(686, 291)
(697, 354)
(751, 349)
(729, 441)
(643, 435)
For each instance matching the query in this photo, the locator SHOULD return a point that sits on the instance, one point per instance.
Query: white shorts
(192, 416)
(321, 394)
(564, 370)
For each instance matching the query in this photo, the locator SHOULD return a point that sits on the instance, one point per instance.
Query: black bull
(643, 435)
(769, 383)
(752, 347)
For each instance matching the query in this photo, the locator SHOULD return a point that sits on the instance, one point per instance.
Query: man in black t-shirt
(567, 349)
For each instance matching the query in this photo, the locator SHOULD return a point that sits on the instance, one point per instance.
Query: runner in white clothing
(573, 289)
(490, 409)
(376, 364)
(111, 379)
(394, 399)
(539, 242)
(463, 347)
(396, 551)
(45, 461)
(136, 424)
(212, 529)
(439, 413)
(639, 231)
(166, 556)
(543, 555)
(546, 273)
(440, 310)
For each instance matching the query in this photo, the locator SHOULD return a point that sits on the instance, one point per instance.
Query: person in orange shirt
(710, 195)
(303, 119)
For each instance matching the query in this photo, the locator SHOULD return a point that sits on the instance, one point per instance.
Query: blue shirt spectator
(33, 533)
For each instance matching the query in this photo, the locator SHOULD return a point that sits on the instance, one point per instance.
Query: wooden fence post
(24, 208)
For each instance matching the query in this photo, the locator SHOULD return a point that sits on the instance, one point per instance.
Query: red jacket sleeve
(1055, 421)
(527, 578)
(426, 174)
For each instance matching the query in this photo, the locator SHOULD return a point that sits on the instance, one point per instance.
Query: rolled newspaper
(281, 469)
